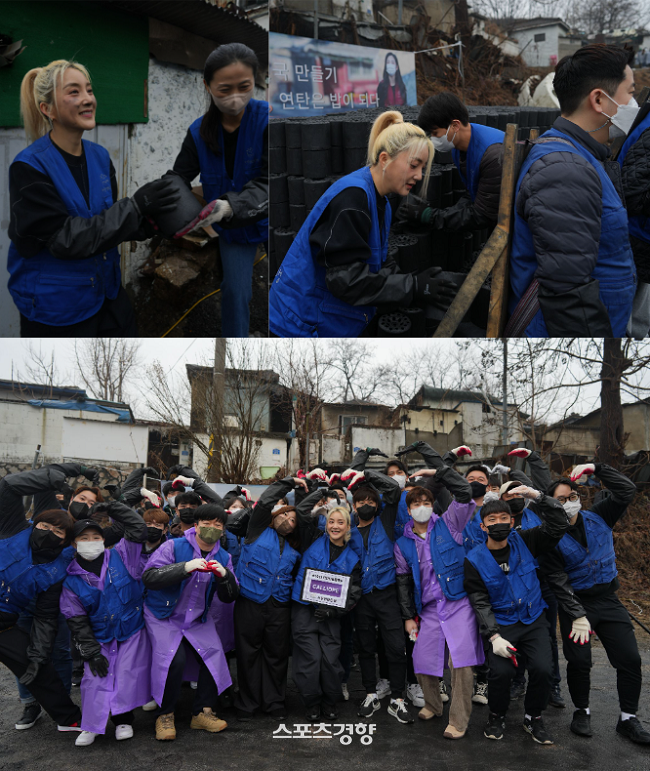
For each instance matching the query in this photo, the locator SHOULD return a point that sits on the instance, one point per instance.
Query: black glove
(433, 290)
(150, 471)
(98, 508)
(414, 207)
(375, 451)
(91, 474)
(157, 197)
(98, 665)
(320, 614)
(30, 673)
(406, 451)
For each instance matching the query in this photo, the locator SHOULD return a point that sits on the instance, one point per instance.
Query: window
(540, 38)
(486, 407)
(351, 420)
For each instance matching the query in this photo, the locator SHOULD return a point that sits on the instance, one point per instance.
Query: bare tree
(41, 369)
(357, 376)
(106, 365)
(597, 16)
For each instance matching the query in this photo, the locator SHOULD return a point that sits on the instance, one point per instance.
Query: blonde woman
(336, 271)
(316, 627)
(66, 222)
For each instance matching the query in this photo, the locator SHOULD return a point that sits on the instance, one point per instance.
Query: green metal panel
(113, 45)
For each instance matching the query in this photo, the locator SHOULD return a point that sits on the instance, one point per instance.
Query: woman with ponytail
(336, 271)
(66, 222)
(228, 147)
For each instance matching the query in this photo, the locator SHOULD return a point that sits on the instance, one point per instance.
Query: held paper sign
(324, 588)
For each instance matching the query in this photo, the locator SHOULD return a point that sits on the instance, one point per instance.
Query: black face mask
(45, 541)
(186, 516)
(499, 532)
(478, 489)
(366, 512)
(516, 505)
(154, 534)
(79, 510)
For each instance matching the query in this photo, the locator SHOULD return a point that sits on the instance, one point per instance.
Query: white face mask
(90, 550)
(401, 480)
(624, 118)
(232, 104)
(572, 508)
(421, 513)
(443, 144)
(391, 68)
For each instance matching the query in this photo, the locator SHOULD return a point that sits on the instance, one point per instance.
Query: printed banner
(310, 77)
(324, 588)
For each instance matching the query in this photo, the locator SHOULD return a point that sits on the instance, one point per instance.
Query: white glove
(187, 481)
(520, 452)
(317, 473)
(581, 470)
(502, 647)
(462, 450)
(490, 495)
(247, 494)
(580, 630)
(334, 478)
(216, 567)
(499, 469)
(352, 477)
(525, 492)
(150, 496)
(196, 564)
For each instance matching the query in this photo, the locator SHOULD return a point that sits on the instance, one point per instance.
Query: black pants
(126, 718)
(206, 693)
(114, 319)
(262, 645)
(611, 622)
(347, 645)
(551, 617)
(411, 679)
(481, 671)
(534, 647)
(47, 687)
(315, 658)
(380, 608)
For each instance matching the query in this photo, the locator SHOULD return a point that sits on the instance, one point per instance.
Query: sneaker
(208, 721)
(555, 699)
(581, 723)
(633, 730)
(70, 727)
(150, 706)
(517, 690)
(30, 715)
(427, 714)
(415, 695)
(495, 726)
(345, 692)
(453, 733)
(85, 739)
(328, 711)
(165, 728)
(535, 727)
(383, 689)
(398, 709)
(369, 705)
(443, 691)
(312, 714)
(123, 732)
(480, 693)
(279, 713)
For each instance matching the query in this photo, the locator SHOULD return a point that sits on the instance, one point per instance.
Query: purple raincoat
(442, 621)
(166, 634)
(127, 684)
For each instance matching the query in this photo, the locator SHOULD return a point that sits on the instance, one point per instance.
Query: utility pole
(218, 395)
(504, 430)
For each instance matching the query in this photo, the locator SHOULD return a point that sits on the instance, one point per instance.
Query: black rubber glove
(98, 665)
(157, 197)
(414, 208)
(98, 508)
(91, 474)
(432, 290)
(375, 451)
(320, 614)
(405, 451)
(30, 673)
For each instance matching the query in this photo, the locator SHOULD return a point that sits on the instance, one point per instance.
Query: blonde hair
(391, 134)
(39, 85)
(346, 516)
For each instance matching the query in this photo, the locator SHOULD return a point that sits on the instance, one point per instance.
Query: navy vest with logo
(248, 166)
(317, 557)
(472, 534)
(516, 595)
(482, 138)
(263, 572)
(300, 304)
(403, 515)
(61, 292)
(116, 612)
(639, 225)
(597, 563)
(377, 561)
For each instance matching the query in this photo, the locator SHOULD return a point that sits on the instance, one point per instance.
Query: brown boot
(208, 721)
(165, 728)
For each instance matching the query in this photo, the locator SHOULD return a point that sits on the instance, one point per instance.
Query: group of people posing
(422, 572)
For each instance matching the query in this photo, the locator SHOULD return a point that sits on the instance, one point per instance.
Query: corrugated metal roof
(202, 18)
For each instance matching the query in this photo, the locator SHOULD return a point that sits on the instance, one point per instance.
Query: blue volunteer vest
(317, 557)
(62, 292)
(20, 580)
(516, 595)
(614, 269)
(597, 563)
(233, 547)
(403, 516)
(248, 166)
(263, 572)
(377, 561)
(161, 602)
(639, 225)
(116, 612)
(472, 534)
(448, 558)
(482, 138)
(300, 305)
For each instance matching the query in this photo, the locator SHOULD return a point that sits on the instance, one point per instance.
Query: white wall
(100, 440)
(389, 440)
(538, 54)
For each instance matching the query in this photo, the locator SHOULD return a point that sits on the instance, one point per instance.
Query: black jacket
(636, 185)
